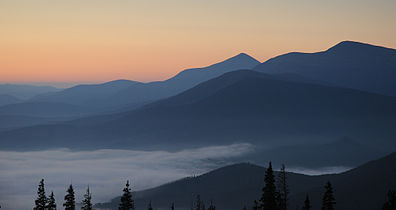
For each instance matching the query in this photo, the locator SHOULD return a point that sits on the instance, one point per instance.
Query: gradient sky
(101, 40)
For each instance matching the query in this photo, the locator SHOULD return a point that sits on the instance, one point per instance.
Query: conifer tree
(283, 189)
(70, 202)
(150, 207)
(307, 204)
(41, 200)
(198, 203)
(390, 204)
(269, 197)
(255, 206)
(212, 207)
(86, 203)
(127, 202)
(173, 206)
(51, 202)
(328, 200)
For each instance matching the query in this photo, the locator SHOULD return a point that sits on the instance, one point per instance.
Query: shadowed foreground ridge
(234, 186)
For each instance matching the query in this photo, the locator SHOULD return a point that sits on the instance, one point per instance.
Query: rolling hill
(240, 106)
(235, 186)
(125, 94)
(25, 91)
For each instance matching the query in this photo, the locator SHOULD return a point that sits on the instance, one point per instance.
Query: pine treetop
(41, 200)
(307, 204)
(269, 196)
(51, 202)
(70, 203)
(328, 200)
(86, 203)
(127, 202)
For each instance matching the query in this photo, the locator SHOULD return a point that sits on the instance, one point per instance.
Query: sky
(74, 41)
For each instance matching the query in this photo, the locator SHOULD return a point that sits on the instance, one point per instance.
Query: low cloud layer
(105, 171)
(319, 171)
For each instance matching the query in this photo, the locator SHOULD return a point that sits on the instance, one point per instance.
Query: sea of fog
(106, 171)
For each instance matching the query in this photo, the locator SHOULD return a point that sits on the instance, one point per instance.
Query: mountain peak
(347, 46)
(242, 58)
(243, 55)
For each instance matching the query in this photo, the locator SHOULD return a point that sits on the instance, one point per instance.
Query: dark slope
(234, 186)
(44, 109)
(248, 106)
(347, 64)
(8, 122)
(241, 106)
(8, 99)
(126, 95)
(231, 187)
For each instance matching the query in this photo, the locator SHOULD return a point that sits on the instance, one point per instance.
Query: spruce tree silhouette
(212, 207)
(307, 204)
(86, 203)
(41, 200)
(269, 197)
(70, 203)
(328, 200)
(51, 202)
(173, 206)
(127, 202)
(255, 206)
(283, 189)
(150, 207)
(198, 203)
(390, 204)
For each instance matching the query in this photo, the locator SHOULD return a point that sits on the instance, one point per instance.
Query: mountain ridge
(348, 64)
(254, 107)
(237, 185)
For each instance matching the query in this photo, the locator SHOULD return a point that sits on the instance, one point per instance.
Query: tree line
(274, 197)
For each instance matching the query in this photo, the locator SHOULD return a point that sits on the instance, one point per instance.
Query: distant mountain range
(125, 95)
(110, 97)
(303, 100)
(235, 186)
(240, 106)
(347, 64)
(8, 99)
(25, 91)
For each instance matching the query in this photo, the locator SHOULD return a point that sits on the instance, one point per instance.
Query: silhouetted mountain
(347, 64)
(86, 95)
(125, 95)
(25, 91)
(240, 106)
(8, 99)
(233, 187)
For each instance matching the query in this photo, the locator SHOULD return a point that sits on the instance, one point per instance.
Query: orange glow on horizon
(99, 40)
